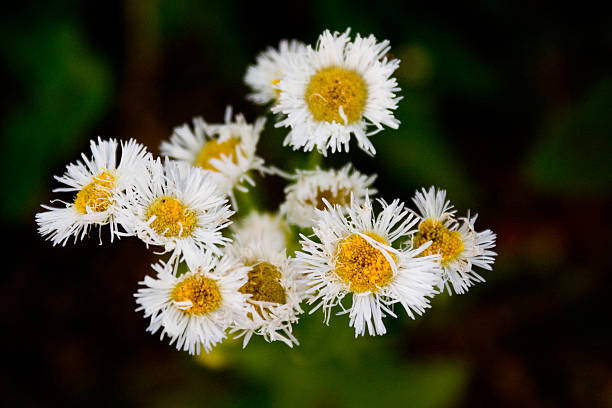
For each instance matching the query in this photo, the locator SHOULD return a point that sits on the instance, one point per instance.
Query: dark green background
(507, 106)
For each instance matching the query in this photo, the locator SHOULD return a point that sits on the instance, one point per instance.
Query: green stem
(314, 159)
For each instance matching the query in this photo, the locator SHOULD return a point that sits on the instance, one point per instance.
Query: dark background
(507, 106)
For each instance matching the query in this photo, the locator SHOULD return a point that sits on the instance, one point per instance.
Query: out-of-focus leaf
(324, 371)
(416, 153)
(66, 89)
(573, 153)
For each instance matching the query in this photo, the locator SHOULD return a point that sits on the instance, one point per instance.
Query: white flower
(97, 182)
(311, 187)
(337, 90)
(178, 208)
(276, 291)
(458, 243)
(270, 67)
(227, 151)
(257, 227)
(353, 254)
(194, 309)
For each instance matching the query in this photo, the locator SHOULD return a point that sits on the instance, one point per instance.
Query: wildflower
(276, 291)
(312, 187)
(196, 308)
(178, 208)
(353, 254)
(459, 245)
(338, 90)
(97, 182)
(227, 151)
(270, 66)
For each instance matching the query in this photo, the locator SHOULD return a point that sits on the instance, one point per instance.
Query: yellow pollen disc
(334, 87)
(362, 266)
(95, 196)
(264, 285)
(213, 149)
(444, 242)
(340, 198)
(172, 218)
(201, 291)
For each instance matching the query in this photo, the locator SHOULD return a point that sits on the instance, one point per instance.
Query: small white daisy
(339, 89)
(258, 227)
(227, 151)
(458, 244)
(270, 67)
(311, 187)
(97, 182)
(196, 308)
(276, 291)
(178, 208)
(353, 254)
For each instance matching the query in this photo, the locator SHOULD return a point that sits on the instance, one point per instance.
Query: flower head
(276, 291)
(459, 245)
(97, 182)
(226, 151)
(269, 69)
(196, 308)
(353, 255)
(313, 187)
(338, 90)
(178, 208)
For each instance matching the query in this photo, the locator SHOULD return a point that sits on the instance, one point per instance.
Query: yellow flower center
(340, 198)
(361, 265)
(202, 292)
(172, 218)
(96, 195)
(334, 87)
(213, 149)
(444, 242)
(264, 285)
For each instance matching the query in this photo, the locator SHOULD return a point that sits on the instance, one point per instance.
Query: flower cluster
(248, 279)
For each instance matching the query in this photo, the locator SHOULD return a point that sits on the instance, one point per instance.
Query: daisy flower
(178, 208)
(276, 291)
(196, 308)
(353, 254)
(227, 151)
(258, 227)
(311, 187)
(270, 67)
(338, 90)
(457, 242)
(97, 182)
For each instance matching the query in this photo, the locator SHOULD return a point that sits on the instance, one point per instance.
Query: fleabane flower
(97, 181)
(312, 187)
(275, 288)
(352, 254)
(339, 89)
(258, 227)
(194, 309)
(178, 208)
(456, 241)
(227, 151)
(269, 68)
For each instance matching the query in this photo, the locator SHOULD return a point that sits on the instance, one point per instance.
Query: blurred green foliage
(325, 371)
(64, 90)
(573, 154)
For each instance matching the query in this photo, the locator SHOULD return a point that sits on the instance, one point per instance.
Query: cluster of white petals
(327, 245)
